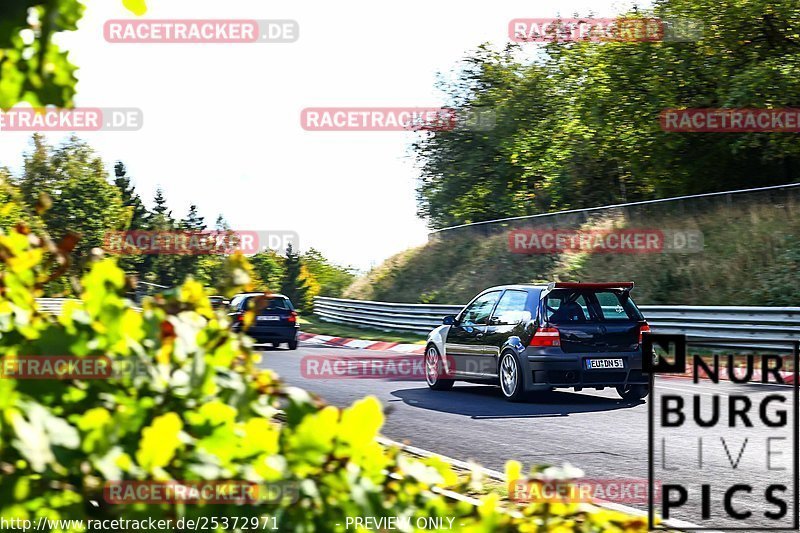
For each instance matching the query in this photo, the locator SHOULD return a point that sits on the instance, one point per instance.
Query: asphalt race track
(594, 430)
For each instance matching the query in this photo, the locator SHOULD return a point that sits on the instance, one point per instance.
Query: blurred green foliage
(33, 68)
(200, 408)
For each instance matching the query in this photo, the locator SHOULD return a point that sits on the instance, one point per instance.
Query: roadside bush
(198, 408)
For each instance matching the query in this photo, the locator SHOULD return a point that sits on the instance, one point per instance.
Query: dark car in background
(275, 318)
(542, 337)
(218, 302)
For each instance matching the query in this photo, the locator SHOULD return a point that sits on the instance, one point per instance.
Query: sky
(222, 121)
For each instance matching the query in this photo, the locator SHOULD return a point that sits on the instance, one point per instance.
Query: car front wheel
(434, 369)
(511, 381)
(633, 392)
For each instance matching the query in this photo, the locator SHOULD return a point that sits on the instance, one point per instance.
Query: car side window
(511, 308)
(234, 305)
(477, 314)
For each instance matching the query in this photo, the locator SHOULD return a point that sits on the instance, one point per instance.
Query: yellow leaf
(260, 436)
(361, 422)
(159, 441)
(137, 7)
(513, 471)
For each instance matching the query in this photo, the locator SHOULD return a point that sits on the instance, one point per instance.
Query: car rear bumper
(546, 372)
(273, 334)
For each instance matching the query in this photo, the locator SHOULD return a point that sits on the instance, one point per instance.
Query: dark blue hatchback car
(275, 318)
(542, 337)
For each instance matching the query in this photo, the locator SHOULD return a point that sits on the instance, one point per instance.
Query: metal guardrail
(713, 326)
(54, 305)
(646, 210)
(51, 305)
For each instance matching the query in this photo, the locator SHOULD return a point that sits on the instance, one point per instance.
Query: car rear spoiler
(626, 286)
(578, 285)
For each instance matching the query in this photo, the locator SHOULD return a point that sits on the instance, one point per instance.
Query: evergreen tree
(193, 221)
(293, 286)
(130, 198)
(162, 216)
(161, 268)
(221, 224)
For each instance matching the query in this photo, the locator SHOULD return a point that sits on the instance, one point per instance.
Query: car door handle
(479, 335)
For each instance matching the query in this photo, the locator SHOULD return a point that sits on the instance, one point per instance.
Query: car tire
(276, 345)
(512, 382)
(293, 344)
(633, 392)
(433, 370)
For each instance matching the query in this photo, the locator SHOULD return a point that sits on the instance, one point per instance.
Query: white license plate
(593, 364)
(268, 318)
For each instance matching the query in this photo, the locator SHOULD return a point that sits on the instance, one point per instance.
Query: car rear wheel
(293, 344)
(511, 381)
(434, 369)
(276, 345)
(633, 392)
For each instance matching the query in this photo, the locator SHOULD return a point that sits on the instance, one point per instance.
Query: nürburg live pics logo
(723, 450)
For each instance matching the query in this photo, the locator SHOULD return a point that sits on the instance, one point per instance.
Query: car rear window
(273, 304)
(580, 305)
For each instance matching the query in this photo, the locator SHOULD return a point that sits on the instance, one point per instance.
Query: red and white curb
(341, 342)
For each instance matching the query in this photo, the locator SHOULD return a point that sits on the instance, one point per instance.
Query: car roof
(555, 285)
(519, 286)
(270, 295)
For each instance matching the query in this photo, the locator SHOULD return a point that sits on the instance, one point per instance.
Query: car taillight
(546, 337)
(239, 317)
(292, 317)
(645, 328)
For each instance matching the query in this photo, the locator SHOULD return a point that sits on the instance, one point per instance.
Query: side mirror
(449, 320)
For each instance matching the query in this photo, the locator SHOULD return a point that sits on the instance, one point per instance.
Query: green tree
(193, 220)
(187, 265)
(130, 198)
(221, 224)
(292, 284)
(86, 203)
(11, 211)
(136, 212)
(270, 269)
(579, 125)
(332, 279)
(162, 268)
